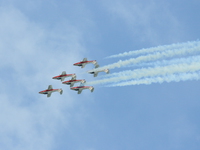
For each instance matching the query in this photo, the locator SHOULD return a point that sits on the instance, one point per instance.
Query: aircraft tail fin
(73, 77)
(83, 81)
(91, 89)
(60, 91)
(107, 71)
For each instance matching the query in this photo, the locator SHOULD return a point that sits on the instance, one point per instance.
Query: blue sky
(40, 39)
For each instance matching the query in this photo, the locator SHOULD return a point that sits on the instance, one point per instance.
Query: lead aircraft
(85, 62)
(73, 81)
(50, 90)
(63, 76)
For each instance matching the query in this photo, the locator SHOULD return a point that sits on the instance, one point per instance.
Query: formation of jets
(73, 79)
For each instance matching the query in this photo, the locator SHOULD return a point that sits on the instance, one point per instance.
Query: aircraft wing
(83, 65)
(95, 74)
(84, 59)
(63, 73)
(49, 94)
(72, 84)
(62, 78)
(79, 91)
(50, 87)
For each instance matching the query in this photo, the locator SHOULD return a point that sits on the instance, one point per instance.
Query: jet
(50, 90)
(85, 62)
(63, 76)
(73, 81)
(96, 72)
(80, 88)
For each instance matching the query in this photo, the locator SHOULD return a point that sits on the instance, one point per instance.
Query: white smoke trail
(156, 64)
(153, 57)
(169, 62)
(161, 79)
(149, 72)
(156, 49)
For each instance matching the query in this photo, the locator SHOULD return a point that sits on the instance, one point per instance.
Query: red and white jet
(73, 81)
(96, 72)
(80, 88)
(50, 90)
(63, 76)
(85, 62)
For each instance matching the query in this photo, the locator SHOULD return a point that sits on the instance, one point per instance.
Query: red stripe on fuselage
(78, 87)
(63, 75)
(48, 90)
(83, 62)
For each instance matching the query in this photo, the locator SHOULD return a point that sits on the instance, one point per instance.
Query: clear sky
(40, 39)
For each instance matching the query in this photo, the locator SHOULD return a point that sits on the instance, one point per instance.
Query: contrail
(161, 79)
(152, 57)
(156, 49)
(150, 72)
